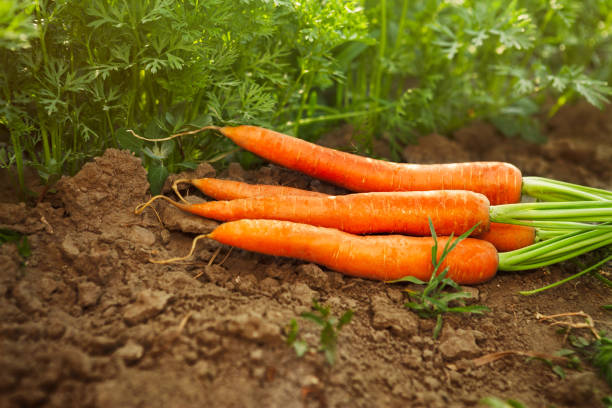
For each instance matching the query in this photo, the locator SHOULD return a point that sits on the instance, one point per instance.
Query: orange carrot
(229, 190)
(508, 237)
(505, 237)
(500, 182)
(408, 212)
(380, 257)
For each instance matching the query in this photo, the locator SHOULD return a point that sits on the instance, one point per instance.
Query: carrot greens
(554, 250)
(76, 74)
(545, 189)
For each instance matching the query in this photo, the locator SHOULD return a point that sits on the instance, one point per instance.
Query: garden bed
(88, 321)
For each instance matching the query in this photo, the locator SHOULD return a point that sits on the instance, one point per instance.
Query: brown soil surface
(88, 321)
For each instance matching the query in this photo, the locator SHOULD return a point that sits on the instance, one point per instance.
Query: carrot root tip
(181, 258)
(141, 207)
(176, 191)
(189, 132)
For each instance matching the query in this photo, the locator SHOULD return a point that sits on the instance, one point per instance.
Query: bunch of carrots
(400, 201)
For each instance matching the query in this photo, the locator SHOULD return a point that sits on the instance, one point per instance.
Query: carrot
(508, 237)
(505, 237)
(500, 182)
(229, 190)
(379, 257)
(408, 212)
(392, 257)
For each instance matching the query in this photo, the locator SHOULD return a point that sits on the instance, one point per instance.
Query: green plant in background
(438, 64)
(328, 338)
(495, 402)
(20, 240)
(75, 74)
(433, 301)
(81, 72)
(598, 352)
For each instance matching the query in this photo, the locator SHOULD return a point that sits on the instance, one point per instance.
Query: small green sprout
(330, 326)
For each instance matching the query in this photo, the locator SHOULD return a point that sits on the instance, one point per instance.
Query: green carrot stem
(574, 246)
(580, 211)
(553, 190)
(553, 260)
(554, 250)
(569, 278)
(603, 279)
(543, 234)
(562, 226)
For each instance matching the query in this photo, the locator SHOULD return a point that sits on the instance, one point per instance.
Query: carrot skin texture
(408, 212)
(230, 190)
(508, 237)
(500, 182)
(378, 257)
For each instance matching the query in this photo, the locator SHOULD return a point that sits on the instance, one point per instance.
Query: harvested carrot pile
(402, 198)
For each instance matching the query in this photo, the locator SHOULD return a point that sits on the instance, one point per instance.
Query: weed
(495, 402)
(598, 352)
(433, 301)
(20, 240)
(328, 338)
(569, 358)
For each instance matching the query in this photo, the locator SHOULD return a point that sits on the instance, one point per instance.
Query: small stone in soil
(269, 285)
(130, 352)
(205, 369)
(386, 316)
(252, 327)
(141, 236)
(458, 344)
(314, 276)
(148, 303)
(302, 293)
(69, 247)
(88, 293)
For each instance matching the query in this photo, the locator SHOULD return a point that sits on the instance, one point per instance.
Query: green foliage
(570, 361)
(77, 73)
(23, 246)
(598, 352)
(328, 338)
(440, 64)
(15, 24)
(495, 402)
(433, 301)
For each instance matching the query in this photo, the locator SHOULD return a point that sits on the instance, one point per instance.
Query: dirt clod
(386, 315)
(148, 303)
(89, 293)
(457, 344)
(130, 352)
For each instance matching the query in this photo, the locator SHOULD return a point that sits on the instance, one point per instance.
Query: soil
(88, 321)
